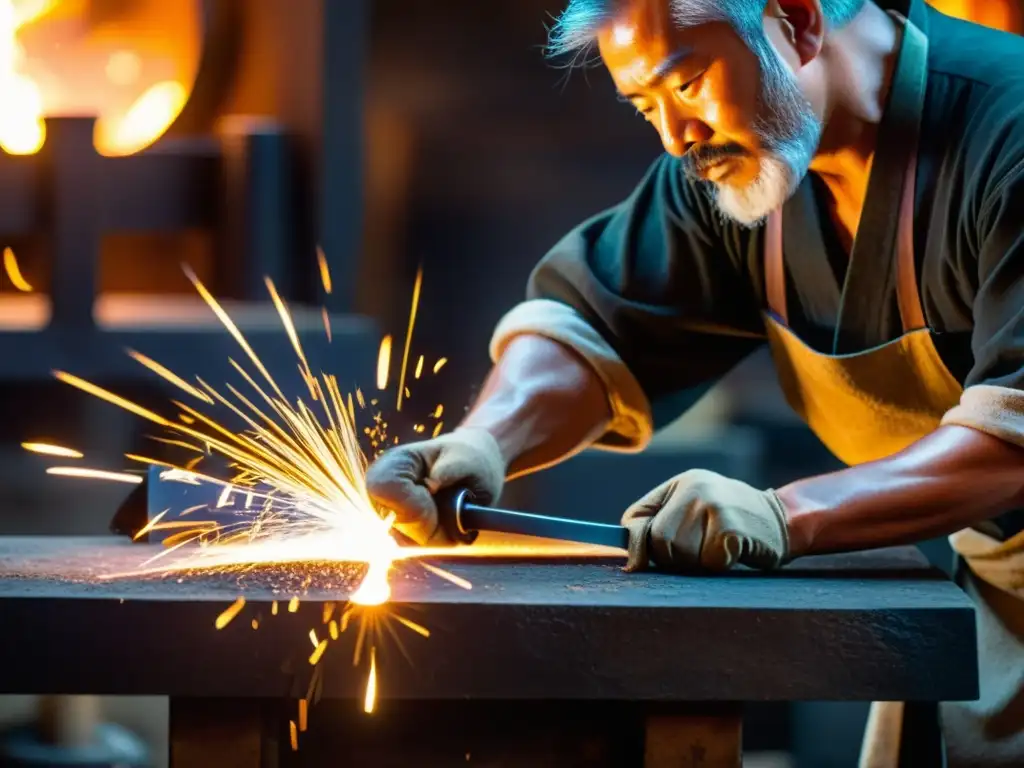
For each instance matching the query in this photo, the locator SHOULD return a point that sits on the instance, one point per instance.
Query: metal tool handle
(462, 520)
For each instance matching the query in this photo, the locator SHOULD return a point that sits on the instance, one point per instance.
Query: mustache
(702, 156)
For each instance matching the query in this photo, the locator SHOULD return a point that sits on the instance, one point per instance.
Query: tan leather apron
(867, 405)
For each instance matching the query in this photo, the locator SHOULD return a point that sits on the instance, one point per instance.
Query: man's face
(739, 120)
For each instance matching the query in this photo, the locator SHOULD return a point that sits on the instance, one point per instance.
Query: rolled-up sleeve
(993, 398)
(652, 294)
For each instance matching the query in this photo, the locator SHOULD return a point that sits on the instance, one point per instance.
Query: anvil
(641, 666)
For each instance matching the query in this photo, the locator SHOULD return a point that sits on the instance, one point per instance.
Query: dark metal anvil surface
(871, 626)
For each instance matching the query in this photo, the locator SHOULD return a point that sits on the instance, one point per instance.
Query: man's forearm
(542, 403)
(953, 478)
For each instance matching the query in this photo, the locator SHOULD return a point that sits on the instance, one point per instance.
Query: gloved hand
(405, 478)
(700, 520)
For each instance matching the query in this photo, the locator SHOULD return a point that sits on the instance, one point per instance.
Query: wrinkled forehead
(646, 39)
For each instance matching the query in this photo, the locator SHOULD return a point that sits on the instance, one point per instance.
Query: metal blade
(479, 518)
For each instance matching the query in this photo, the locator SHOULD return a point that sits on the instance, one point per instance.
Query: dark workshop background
(478, 155)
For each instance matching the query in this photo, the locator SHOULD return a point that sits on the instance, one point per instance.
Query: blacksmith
(842, 181)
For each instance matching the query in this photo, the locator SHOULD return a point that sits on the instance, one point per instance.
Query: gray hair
(573, 32)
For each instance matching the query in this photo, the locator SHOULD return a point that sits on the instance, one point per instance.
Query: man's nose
(680, 132)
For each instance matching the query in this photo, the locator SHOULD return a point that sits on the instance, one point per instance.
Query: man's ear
(802, 23)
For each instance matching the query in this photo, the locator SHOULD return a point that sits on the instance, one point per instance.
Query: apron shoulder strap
(872, 270)
(908, 294)
(774, 269)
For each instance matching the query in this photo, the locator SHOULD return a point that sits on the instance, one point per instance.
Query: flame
(22, 131)
(144, 122)
(55, 60)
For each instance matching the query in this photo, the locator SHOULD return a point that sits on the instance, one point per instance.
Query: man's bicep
(648, 294)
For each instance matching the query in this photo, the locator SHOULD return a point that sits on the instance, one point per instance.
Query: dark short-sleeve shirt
(678, 291)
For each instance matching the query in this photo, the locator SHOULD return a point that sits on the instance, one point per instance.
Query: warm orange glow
(124, 67)
(131, 65)
(144, 121)
(21, 126)
(997, 14)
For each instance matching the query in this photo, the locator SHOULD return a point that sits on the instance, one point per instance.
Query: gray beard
(750, 205)
(789, 132)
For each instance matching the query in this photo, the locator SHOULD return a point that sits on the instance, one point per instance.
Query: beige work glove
(702, 521)
(405, 478)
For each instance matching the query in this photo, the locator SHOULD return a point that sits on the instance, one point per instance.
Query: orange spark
(419, 368)
(325, 272)
(417, 628)
(47, 449)
(408, 334)
(14, 273)
(440, 364)
(289, 326)
(232, 610)
(293, 605)
(95, 474)
(169, 376)
(371, 684)
(318, 653)
(231, 328)
(383, 365)
(111, 398)
(327, 323)
(456, 580)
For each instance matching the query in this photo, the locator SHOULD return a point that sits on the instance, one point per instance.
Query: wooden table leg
(709, 736)
(221, 733)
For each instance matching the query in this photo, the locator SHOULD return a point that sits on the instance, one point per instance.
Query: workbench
(556, 661)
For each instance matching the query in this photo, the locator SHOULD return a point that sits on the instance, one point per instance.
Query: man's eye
(691, 86)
